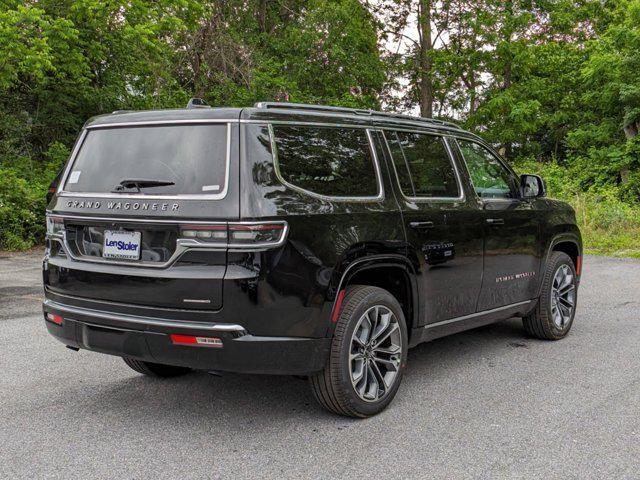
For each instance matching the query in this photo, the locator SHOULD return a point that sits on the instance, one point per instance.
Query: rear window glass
(329, 161)
(191, 157)
(423, 165)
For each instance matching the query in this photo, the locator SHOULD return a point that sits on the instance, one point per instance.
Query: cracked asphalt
(488, 403)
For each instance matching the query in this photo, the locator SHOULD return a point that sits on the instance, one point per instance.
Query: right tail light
(238, 235)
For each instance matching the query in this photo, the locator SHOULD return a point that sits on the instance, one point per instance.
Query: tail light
(55, 225)
(207, 233)
(242, 236)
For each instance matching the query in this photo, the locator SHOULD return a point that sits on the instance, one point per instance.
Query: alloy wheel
(375, 354)
(563, 296)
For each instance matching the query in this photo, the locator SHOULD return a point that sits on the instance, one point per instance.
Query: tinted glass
(193, 157)
(423, 165)
(489, 177)
(328, 161)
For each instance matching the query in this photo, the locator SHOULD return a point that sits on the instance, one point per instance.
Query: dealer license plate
(121, 245)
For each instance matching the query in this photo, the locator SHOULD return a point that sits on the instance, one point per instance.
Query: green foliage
(610, 226)
(62, 62)
(21, 204)
(553, 84)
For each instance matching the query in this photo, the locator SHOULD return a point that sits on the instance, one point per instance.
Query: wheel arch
(567, 243)
(393, 273)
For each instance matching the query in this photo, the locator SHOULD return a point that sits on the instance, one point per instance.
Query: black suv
(300, 240)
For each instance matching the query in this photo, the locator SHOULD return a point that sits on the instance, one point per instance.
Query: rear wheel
(553, 316)
(155, 369)
(368, 351)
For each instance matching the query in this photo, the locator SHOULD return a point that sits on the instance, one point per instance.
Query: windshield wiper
(139, 184)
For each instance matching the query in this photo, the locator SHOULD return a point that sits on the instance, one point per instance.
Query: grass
(609, 225)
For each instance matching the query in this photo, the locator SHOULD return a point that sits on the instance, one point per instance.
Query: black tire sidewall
(559, 260)
(377, 297)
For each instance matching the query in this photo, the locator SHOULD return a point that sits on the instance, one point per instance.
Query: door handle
(495, 221)
(421, 225)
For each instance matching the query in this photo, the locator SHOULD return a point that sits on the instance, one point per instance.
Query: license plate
(121, 245)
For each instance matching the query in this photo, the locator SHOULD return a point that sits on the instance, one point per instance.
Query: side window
(329, 161)
(423, 165)
(489, 176)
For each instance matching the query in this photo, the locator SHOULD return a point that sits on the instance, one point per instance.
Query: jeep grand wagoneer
(300, 240)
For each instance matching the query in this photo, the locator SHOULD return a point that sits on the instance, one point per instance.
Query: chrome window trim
(460, 198)
(147, 123)
(301, 123)
(500, 161)
(330, 198)
(370, 123)
(183, 245)
(141, 196)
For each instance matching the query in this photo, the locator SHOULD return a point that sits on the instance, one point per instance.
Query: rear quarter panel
(295, 286)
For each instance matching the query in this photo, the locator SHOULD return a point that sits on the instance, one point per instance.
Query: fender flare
(379, 261)
(565, 237)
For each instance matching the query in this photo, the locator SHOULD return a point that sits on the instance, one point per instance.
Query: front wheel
(368, 352)
(553, 316)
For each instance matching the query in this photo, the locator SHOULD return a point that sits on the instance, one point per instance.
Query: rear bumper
(148, 339)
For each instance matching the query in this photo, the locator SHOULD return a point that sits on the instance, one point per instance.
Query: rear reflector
(57, 319)
(336, 308)
(196, 341)
(578, 265)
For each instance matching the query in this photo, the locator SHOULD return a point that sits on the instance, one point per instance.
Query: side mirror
(532, 186)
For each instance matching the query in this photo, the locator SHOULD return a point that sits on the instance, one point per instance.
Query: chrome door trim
(477, 314)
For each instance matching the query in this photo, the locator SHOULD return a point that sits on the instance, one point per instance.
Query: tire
(381, 351)
(543, 322)
(155, 369)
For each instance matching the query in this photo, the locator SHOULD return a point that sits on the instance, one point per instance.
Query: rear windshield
(191, 157)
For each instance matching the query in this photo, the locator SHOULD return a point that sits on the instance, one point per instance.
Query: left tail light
(55, 225)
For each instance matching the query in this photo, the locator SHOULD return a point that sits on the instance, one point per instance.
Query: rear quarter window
(329, 161)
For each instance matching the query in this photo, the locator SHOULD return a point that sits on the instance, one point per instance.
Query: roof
(274, 111)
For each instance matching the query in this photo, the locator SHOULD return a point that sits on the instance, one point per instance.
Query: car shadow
(260, 399)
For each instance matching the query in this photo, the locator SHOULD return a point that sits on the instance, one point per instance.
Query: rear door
(512, 249)
(146, 244)
(442, 228)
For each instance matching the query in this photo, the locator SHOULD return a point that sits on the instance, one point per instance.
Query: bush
(23, 190)
(609, 225)
(22, 206)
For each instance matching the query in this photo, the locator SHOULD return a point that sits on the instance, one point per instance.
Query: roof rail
(356, 111)
(317, 108)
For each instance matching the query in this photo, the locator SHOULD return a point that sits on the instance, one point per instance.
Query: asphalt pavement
(488, 403)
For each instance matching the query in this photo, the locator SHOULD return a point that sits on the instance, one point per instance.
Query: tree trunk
(425, 60)
(262, 15)
(508, 65)
(632, 130)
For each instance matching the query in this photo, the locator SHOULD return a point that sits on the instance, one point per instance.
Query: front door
(443, 228)
(512, 246)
